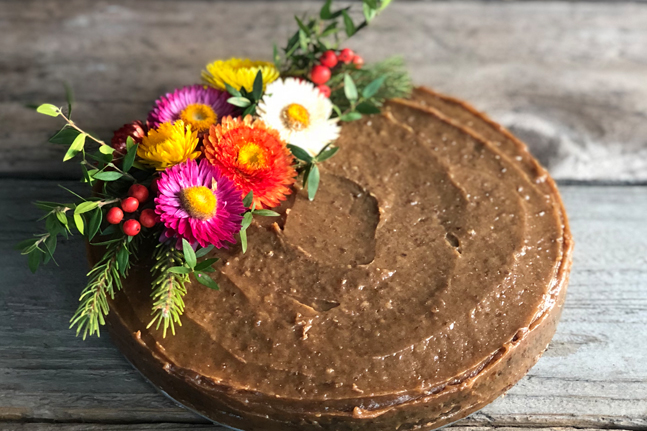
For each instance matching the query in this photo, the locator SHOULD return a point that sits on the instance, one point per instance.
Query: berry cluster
(137, 194)
(321, 73)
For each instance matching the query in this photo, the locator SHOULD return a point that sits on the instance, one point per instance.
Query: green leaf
(247, 220)
(202, 252)
(300, 153)
(205, 264)
(129, 158)
(367, 108)
(107, 176)
(189, 254)
(122, 260)
(231, 90)
(325, 12)
(60, 215)
(326, 154)
(276, 57)
(384, 4)
(313, 182)
(85, 207)
(351, 116)
(50, 248)
(241, 102)
(108, 242)
(23, 245)
(266, 213)
(104, 149)
(34, 259)
(251, 110)
(77, 145)
(369, 12)
(257, 92)
(303, 40)
(243, 240)
(111, 229)
(52, 224)
(348, 23)
(330, 29)
(205, 280)
(78, 222)
(350, 89)
(48, 109)
(179, 270)
(94, 223)
(373, 87)
(247, 201)
(86, 175)
(302, 26)
(64, 136)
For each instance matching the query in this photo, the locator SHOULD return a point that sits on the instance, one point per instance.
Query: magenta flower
(196, 105)
(197, 203)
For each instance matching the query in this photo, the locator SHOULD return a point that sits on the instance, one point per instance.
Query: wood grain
(593, 374)
(567, 77)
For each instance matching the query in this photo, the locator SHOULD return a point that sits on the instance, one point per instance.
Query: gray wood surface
(593, 374)
(568, 77)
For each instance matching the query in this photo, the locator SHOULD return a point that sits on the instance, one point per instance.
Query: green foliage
(103, 281)
(375, 83)
(244, 99)
(318, 34)
(307, 165)
(248, 216)
(169, 288)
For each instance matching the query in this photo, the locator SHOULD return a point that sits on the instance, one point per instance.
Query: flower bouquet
(209, 158)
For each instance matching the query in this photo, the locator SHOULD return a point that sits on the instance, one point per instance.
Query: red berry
(324, 89)
(154, 187)
(115, 215)
(328, 59)
(148, 218)
(320, 74)
(129, 205)
(358, 61)
(132, 227)
(139, 192)
(346, 55)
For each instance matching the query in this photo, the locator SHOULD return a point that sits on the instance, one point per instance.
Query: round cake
(424, 280)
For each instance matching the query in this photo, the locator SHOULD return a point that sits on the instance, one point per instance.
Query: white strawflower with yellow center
(300, 113)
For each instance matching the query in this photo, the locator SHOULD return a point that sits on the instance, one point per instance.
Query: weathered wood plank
(593, 374)
(568, 77)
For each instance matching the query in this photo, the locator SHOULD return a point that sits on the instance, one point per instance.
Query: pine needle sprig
(104, 280)
(396, 82)
(169, 288)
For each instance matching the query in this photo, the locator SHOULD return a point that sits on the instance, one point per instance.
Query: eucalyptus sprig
(308, 166)
(244, 99)
(248, 202)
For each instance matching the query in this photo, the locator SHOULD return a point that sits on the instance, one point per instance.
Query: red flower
(254, 157)
(136, 130)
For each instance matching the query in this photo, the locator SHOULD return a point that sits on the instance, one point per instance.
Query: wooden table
(569, 78)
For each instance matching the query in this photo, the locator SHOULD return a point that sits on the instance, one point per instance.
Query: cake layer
(425, 278)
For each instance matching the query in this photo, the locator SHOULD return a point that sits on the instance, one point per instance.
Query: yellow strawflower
(238, 72)
(168, 145)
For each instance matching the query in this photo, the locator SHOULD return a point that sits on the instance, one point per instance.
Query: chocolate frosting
(430, 247)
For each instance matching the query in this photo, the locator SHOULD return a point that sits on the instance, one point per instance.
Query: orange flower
(254, 157)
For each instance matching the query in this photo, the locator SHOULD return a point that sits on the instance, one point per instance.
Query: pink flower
(197, 203)
(197, 105)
